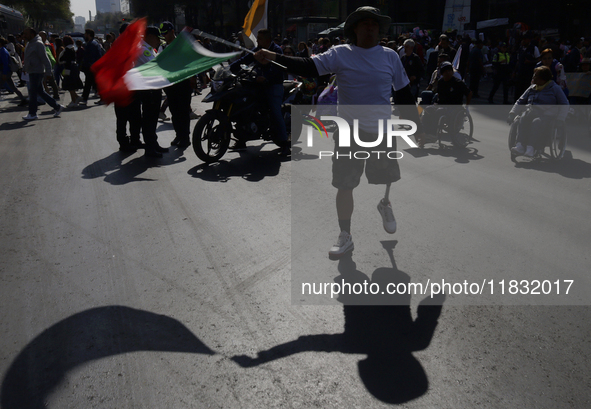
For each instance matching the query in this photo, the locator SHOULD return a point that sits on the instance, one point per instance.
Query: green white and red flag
(110, 69)
(181, 59)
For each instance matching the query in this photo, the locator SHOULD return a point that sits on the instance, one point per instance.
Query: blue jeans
(36, 89)
(275, 98)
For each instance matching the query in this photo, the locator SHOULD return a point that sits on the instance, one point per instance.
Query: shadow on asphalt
(84, 337)
(252, 165)
(461, 155)
(568, 166)
(116, 172)
(387, 334)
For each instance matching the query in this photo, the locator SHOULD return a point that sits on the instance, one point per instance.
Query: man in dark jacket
(413, 66)
(92, 52)
(272, 77)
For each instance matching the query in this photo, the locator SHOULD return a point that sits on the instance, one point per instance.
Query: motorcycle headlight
(216, 85)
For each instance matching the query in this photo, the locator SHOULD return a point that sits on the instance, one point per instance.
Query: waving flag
(111, 68)
(182, 59)
(254, 21)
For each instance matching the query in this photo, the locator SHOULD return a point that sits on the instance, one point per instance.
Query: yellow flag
(254, 21)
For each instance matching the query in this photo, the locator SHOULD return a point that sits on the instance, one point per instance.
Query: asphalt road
(137, 283)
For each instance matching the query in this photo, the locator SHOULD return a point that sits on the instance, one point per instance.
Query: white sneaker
(518, 149)
(529, 152)
(58, 111)
(30, 117)
(344, 244)
(388, 219)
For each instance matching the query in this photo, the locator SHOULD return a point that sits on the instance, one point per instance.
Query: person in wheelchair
(450, 97)
(540, 105)
(428, 95)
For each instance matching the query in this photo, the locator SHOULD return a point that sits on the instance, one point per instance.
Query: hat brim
(359, 15)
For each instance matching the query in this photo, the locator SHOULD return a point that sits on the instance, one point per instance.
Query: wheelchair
(554, 141)
(454, 123)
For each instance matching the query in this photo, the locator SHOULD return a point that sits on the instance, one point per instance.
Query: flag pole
(228, 43)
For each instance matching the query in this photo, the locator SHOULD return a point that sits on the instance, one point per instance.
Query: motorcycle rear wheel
(211, 136)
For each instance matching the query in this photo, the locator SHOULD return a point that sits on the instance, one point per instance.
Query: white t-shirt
(364, 75)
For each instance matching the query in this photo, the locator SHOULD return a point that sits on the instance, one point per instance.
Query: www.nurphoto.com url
(442, 287)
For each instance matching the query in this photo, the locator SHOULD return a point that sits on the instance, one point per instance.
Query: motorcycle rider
(272, 77)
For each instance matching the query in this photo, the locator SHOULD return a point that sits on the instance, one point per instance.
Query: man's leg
(134, 116)
(275, 98)
(88, 83)
(179, 97)
(150, 108)
(121, 114)
(34, 83)
(345, 205)
(493, 91)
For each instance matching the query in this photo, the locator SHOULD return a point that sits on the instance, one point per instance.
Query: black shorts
(380, 163)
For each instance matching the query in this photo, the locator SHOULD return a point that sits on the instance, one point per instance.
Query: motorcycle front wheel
(211, 136)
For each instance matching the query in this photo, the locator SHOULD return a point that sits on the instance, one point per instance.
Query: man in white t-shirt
(366, 73)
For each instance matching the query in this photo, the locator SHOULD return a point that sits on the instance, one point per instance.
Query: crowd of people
(370, 69)
(44, 64)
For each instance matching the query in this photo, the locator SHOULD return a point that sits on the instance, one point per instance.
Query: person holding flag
(179, 99)
(272, 78)
(150, 98)
(366, 73)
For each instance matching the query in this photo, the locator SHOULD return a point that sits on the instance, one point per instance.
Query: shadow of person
(567, 167)
(252, 165)
(380, 326)
(101, 167)
(87, 336)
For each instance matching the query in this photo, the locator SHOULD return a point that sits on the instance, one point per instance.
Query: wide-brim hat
(362, 13)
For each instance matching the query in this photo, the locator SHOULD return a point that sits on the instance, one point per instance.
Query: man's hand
(264, 56)
(260, 79)
(48, 75)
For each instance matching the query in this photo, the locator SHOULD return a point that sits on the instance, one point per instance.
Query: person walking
(92, 52)
(37, 65)
(366, 73)
(70, 71)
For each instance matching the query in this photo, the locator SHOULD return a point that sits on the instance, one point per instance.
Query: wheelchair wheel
(441, 129)
(513, 138)
(558, 143)
(462, 129)
(467, 125)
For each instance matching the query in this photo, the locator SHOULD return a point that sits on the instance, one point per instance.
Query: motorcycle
(240, 111)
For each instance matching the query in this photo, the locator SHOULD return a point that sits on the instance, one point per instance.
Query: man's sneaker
(529, 152)
(388, 219)
(518, 149)
(343, 245)
(58, 111)
(30, 117)
(80, 100)
(72, 104)
(193, 115)
(163, 116)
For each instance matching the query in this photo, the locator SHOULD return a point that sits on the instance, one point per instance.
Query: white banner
(456, 14)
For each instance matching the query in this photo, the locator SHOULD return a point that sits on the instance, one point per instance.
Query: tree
(40, 12)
